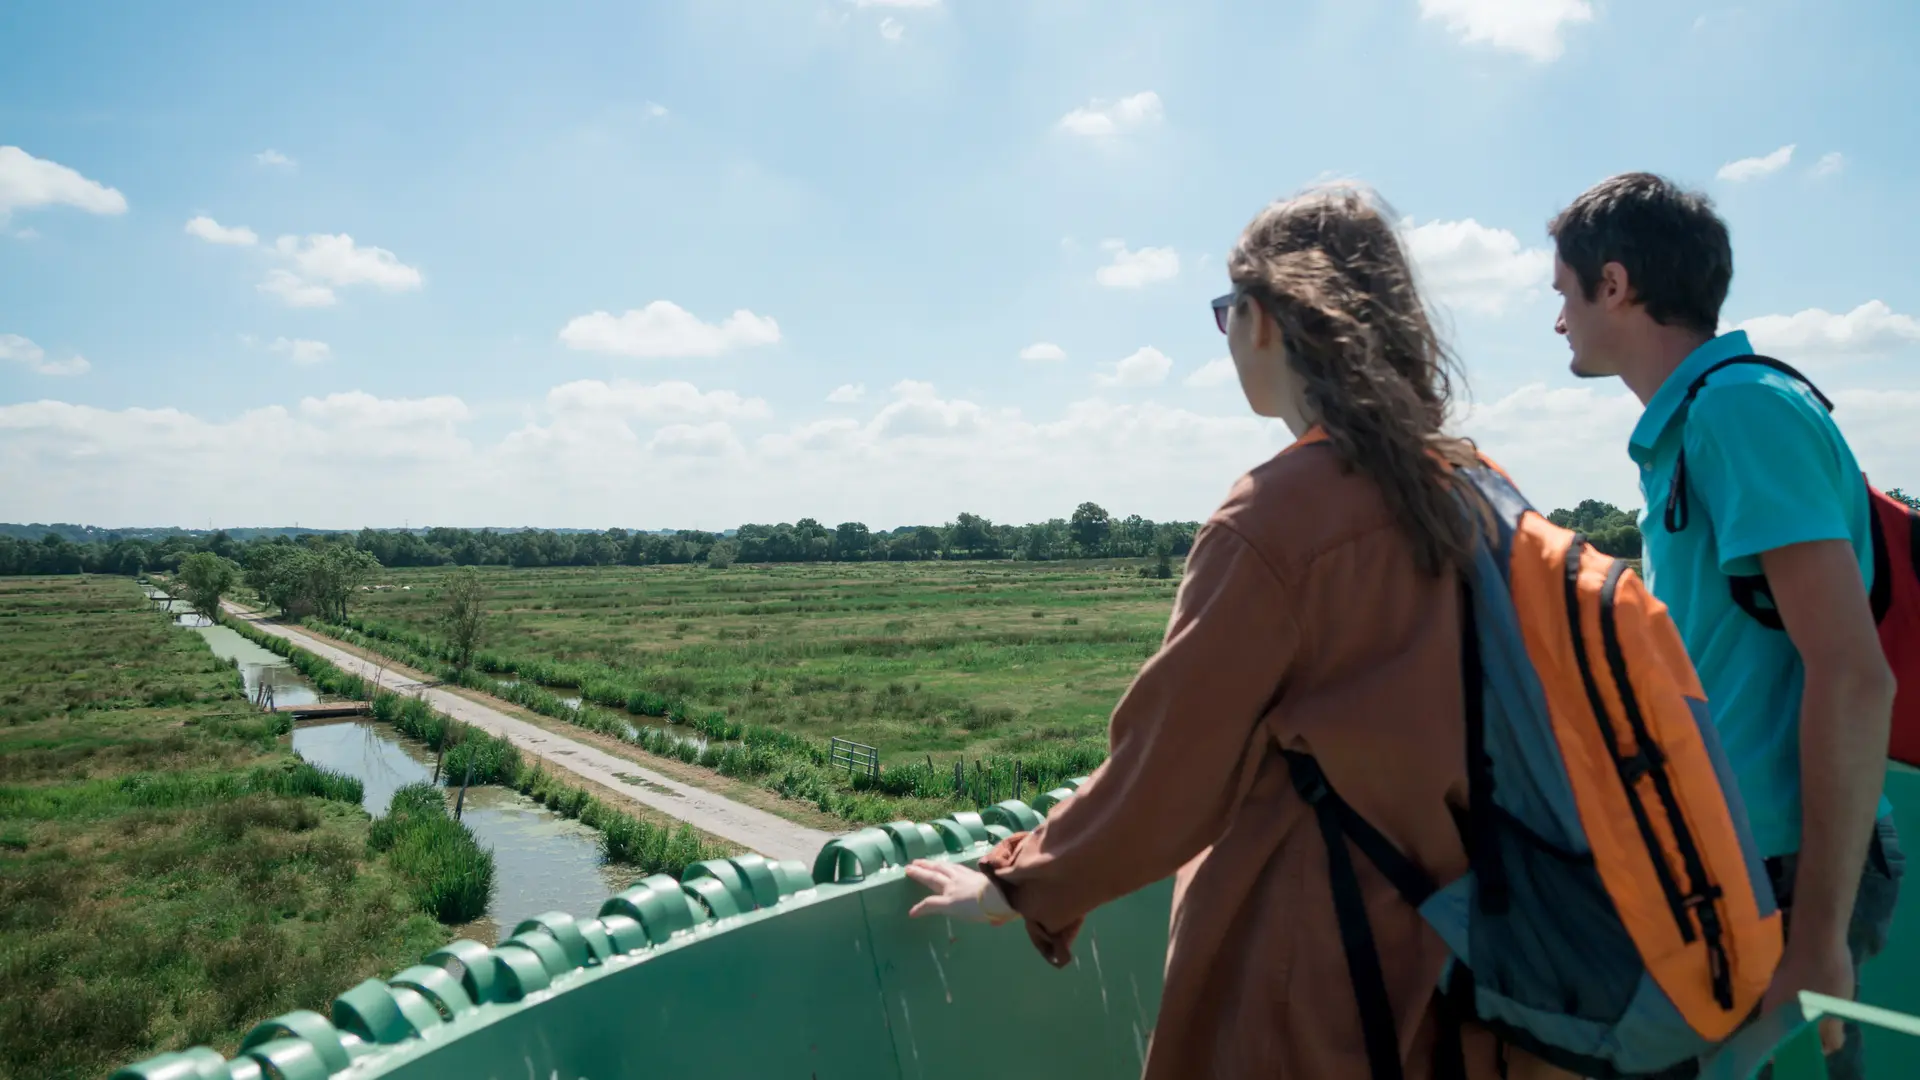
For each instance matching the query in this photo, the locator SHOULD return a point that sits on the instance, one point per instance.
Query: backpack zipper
(1700, 900)
(1630, 769)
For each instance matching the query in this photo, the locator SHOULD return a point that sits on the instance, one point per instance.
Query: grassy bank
(624, 838)
(169, 873)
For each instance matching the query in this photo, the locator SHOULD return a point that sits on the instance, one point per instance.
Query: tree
(338, 572)
(720, 555)
(466, 616)
(309, 579)
(1608, 528)
(206, 577)
(852, 540)
(1091, 525)
(971, 533)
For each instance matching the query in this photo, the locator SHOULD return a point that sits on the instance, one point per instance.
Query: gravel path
(753, 829)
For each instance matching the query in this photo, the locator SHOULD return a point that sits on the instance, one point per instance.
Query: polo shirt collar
(1666, 400)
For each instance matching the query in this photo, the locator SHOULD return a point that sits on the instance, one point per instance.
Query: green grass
(170, 874)
(1009, 670)
(451, 874)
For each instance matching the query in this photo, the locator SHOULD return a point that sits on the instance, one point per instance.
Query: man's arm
(1762, 460)
(1846, 709)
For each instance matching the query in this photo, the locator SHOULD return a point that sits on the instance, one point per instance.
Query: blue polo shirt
(1766, 467)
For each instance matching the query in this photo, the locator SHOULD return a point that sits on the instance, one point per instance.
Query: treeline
(1091, 532)
(309, 582)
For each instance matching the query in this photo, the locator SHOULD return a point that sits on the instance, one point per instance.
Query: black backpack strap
(1338, 825)
(1676, 516)
(1480, 836)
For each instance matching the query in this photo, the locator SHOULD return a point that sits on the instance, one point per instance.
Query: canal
(542, 861)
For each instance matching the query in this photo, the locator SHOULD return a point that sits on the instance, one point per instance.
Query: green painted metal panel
(1892, 980)
(943, 982)
(748, 968)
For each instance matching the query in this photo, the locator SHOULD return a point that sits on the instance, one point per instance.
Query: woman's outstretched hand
(959, 892)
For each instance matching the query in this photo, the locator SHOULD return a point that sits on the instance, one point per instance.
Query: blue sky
(605, 264)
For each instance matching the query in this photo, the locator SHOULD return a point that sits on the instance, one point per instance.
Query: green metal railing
(746, 967)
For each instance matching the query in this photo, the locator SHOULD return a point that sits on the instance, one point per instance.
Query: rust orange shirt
(1301, 623)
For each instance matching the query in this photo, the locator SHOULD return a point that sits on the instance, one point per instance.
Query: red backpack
(1895, 594)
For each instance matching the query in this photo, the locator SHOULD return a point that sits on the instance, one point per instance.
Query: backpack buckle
(1633, 768)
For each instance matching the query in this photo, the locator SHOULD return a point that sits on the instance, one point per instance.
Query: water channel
(542, 861)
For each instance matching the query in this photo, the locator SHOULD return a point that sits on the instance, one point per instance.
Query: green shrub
(450, 874)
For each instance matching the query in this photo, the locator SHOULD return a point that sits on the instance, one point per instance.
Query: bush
(450, 874)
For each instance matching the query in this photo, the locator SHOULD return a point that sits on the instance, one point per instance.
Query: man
(1769, 487)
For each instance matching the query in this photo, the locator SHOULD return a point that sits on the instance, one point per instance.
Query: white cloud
(1212, 373)
(1146, 366)
(296, 293)
(21, 351)
(892, 29)
(665, 329)
(1133, 269)
(1561, 444)
(655, 109)
(1829, 164)
(1532, 28)
(28, 182)
(897, 3)
(847, 394)
(301, 350)
(1043, 351)
(626, 399)
(274, 159)
(316, 264)
(1473, 266)
(1873, 328)
(27, 234)
(215, 233)
(918, 412)
(917, 457)
(338, 261)
(1568, 443)
(1879, 428)
(713, 439)
(1753, 168)
(1100, 118)
(596, 455)
(321, 262)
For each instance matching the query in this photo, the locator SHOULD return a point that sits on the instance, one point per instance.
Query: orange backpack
(1616, 919)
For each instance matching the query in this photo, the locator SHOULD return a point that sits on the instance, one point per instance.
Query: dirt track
(753, 829)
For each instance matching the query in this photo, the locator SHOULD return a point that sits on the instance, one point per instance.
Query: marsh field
(170, 873)
(974, 681)
(966, 659)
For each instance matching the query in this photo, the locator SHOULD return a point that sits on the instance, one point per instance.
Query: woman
(1317, 614)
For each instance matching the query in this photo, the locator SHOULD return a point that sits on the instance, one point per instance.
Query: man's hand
(1822, 965)
(959, 892)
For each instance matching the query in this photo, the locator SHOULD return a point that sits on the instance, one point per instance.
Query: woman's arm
(1180, 741)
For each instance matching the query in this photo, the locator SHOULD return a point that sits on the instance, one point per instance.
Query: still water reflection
(542, 861)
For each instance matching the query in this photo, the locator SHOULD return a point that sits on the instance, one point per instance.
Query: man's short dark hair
(1675, 249)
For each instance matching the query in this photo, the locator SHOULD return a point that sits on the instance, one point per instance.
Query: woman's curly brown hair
(1329, 267)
